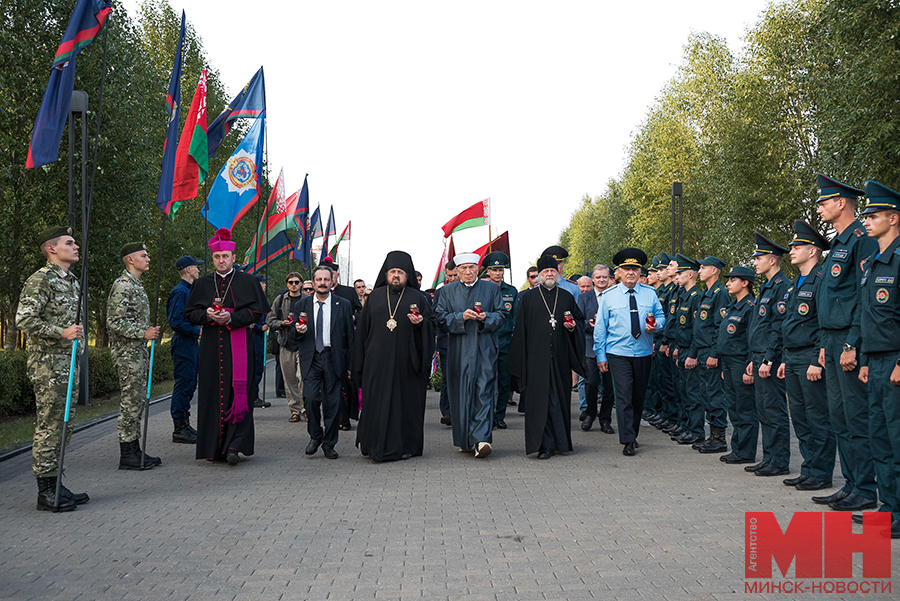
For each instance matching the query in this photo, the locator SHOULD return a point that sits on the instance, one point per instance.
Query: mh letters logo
(820, 545)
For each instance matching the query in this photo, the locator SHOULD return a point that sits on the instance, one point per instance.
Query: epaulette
(897, 251)
(752, 302)
(693, 292)
(859, 232)
(44, 270)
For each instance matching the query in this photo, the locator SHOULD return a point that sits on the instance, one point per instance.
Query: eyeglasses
(533, 277)
(294, 283)
(307, 289)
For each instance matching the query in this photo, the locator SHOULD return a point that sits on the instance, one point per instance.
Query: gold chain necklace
(391, 323)
(552, 319)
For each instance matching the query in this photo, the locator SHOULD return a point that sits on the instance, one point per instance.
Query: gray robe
(471, 368)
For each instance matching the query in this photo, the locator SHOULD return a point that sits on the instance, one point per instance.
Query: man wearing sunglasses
(285, 312)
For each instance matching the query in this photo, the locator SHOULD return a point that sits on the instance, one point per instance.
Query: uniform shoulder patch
(44, 270)
(693, 293)
(859, 232)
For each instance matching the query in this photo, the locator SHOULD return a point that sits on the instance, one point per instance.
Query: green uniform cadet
(706, 332)
(765, 348)
(128, 318)
(734, 355)
(838, 298)
(802, 340)
(509, 298)
(879, 321)
(665, 380)
(676, 417)
(49, 304)
(652, 402)
(689, 384)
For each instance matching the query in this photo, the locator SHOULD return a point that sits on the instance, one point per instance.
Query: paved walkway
(665, 524)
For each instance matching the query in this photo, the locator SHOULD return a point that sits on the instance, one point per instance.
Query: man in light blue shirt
(628, 315)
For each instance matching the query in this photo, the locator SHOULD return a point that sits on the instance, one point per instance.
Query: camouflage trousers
(131, 361)
(49, 372)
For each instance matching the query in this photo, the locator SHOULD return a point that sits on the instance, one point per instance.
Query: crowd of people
(819, 352)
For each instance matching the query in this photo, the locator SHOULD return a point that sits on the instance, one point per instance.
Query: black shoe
(688, 438)
(832, 498)
(183, 432)
(344, 427)
(713, 445)
(512, 403)
(606, 428)
(404, 456)
(261, 404)
(895, 529)
(545, 454)
(700, 442)
(733, 459)
(588, 423)
(772, 470)
(80, 498)
(445, 419)
(130, 456)
(677, 432)
(655, 421)
(795, 481)
(281, 395)
(148, 459)
(853, 503)
(628, 450)
(810, 484)
(758, 466)
(313, 446)
(330, 453)
(583, 416)
(645, 414)
(46, 500)
(232, 458)
(500, 424)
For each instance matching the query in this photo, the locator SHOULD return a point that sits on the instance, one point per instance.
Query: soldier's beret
(53, 232)
(495, 259)
(712, 261)
(879, 198)
(132, 247)
(804, 233)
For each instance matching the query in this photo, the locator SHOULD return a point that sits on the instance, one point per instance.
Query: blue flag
(236, 188)
(173, 108)
(330, 230)
(84, 26)
(250, 103)
(305, 239)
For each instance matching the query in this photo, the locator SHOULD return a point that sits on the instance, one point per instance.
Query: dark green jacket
(879, 314)
(800, 328)
(765, 327)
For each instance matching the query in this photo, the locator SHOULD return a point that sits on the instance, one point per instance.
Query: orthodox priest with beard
(392, 352)
(472, 311)
(547, 345)
(225, 304)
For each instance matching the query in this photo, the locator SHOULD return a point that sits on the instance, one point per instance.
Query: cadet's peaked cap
(804, 233)
(187, 261)
(745, 273)
(630, 257)
(764, 246)
(53, 232)
(831, 188)
(557, 252)
(654, 263)
(261, 278)
(664, 258)
(879, 198)
(712, 261)
(684, 263)
(547, 262)
(644, 271)
(495, 259)
(131, 247)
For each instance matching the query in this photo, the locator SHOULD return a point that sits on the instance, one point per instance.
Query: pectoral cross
(553, 321)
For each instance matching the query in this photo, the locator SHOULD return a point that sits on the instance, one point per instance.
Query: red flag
(500, 243)
(192, 156)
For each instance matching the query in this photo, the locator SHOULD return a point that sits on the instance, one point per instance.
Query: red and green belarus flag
(478, 214)
(345, 235)
(192, 157)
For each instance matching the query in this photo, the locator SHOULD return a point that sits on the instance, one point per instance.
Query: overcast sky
(405, 113)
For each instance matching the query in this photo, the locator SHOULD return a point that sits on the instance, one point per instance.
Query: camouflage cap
(132, 247)
(53, 232)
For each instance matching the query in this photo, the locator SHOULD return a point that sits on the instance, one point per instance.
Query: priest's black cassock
(471, 358)
(542, 358)
(240, 292)
(392, 367)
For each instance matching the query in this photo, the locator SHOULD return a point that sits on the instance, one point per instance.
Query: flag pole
(162, 238)
(265, 331)
(206, 254)
(85, 226)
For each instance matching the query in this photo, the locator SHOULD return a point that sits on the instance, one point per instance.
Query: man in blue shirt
(184, 350)
(623, 341)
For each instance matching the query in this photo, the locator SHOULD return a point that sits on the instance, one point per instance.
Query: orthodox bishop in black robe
(392, 354)
(471, 367)
(226, 361)
(543, 354)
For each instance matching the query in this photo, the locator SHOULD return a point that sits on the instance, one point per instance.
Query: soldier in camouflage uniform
(47, 312)
(128, 321)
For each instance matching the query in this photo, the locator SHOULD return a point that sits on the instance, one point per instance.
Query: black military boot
(187, 424)
(80, 498)
(47, 496)
(696, 445)
(148, 459)
(183, 432)
(130, 456)
(716, 441)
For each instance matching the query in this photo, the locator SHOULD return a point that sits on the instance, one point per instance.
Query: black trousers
(595, 382)
(630, 376)
(322, 395)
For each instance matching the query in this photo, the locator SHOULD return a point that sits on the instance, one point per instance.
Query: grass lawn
(15, 431)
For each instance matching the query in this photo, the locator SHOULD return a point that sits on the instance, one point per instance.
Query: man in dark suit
(342, 291)
(588, 303)
(324, 348)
